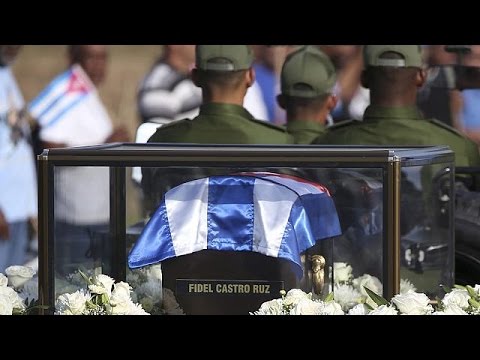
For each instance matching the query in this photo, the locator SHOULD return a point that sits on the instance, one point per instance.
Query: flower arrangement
(102, 297)
(18, 291)
(362, 296)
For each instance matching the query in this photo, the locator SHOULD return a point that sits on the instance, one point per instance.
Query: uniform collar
(304, 125)
(224, 109)
(407, 112)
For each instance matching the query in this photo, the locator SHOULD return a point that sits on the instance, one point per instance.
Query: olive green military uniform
(304, 131)
(401, 126)
(222, 124)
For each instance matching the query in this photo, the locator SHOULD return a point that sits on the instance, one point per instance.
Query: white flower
(412, 303)
(30, 290)
(384, 310)
(457, 297)
(452, 309)
(406, 285)
(307, 307)
(346, 295)
(15, 300)
(121, 293)
(136, 309)
(272, 307)
(294, 296)
(19, 275)
(97, 289)
(3, 280)
(72, 304)
(105, 281)
(359, 309)
(477, 289)
(122, 308)
(342, 272)
(332, 308)
(371, 282)
(6, 307)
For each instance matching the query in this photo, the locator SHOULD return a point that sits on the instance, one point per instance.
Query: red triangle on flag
(77, 84)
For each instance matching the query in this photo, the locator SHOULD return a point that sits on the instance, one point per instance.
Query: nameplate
(229, 287)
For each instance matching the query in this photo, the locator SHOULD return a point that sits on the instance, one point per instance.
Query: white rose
(457, 297)
(136, 309)
(3, 280)
(155, 272)
(307, 307)
(332, 308)
(412, 303)
(346, 295)
(6, 307)
(384, 310)
(19, 275)
(97, 289)
(72, 304)
(15, 300)
(105, 281)
(272, 307)
(370, 282)
(294, 296)
(342, 272)
(477, 289)
(359, 309)
(122, 308)
(452, 309)
(121, 293)
(406, 285)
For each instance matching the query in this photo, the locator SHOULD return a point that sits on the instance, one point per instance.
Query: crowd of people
(222, 94)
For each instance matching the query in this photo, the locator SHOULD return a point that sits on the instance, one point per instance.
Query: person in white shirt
(18, 182)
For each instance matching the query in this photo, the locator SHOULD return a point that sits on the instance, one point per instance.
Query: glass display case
(225, 227)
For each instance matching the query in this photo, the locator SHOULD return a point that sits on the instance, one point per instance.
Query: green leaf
(85, 277)
(329, 297)
(459, 287)
(369, 307)
(474, 303)
(471, 292)
(377, 299)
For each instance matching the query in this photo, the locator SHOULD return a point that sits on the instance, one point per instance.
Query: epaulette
(342, 124)
(445, 126)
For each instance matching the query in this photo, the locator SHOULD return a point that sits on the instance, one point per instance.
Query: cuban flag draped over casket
(272, 214)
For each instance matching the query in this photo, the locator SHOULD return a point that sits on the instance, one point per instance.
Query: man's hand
(4, 232)
(120, 134)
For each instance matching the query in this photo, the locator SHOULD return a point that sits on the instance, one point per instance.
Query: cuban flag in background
(69, 110)
(272, 214)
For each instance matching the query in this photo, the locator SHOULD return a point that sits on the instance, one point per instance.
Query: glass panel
(426, 254)
(231, 238)
(82, 238)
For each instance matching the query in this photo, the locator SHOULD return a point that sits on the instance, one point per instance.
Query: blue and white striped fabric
(272, 214)
(65, 92)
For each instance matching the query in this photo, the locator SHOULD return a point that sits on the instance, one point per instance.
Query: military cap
(412, 55)
(308, 73)
(223, 57)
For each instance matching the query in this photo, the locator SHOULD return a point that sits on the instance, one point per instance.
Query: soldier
(307, 81)
(224, 72)
(393, 74)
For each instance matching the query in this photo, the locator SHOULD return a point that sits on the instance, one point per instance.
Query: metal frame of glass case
(119, 156)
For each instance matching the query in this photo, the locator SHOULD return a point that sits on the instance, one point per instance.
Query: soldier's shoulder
(173, 126)
(269, 125)
(342, 124)
(446, 127)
